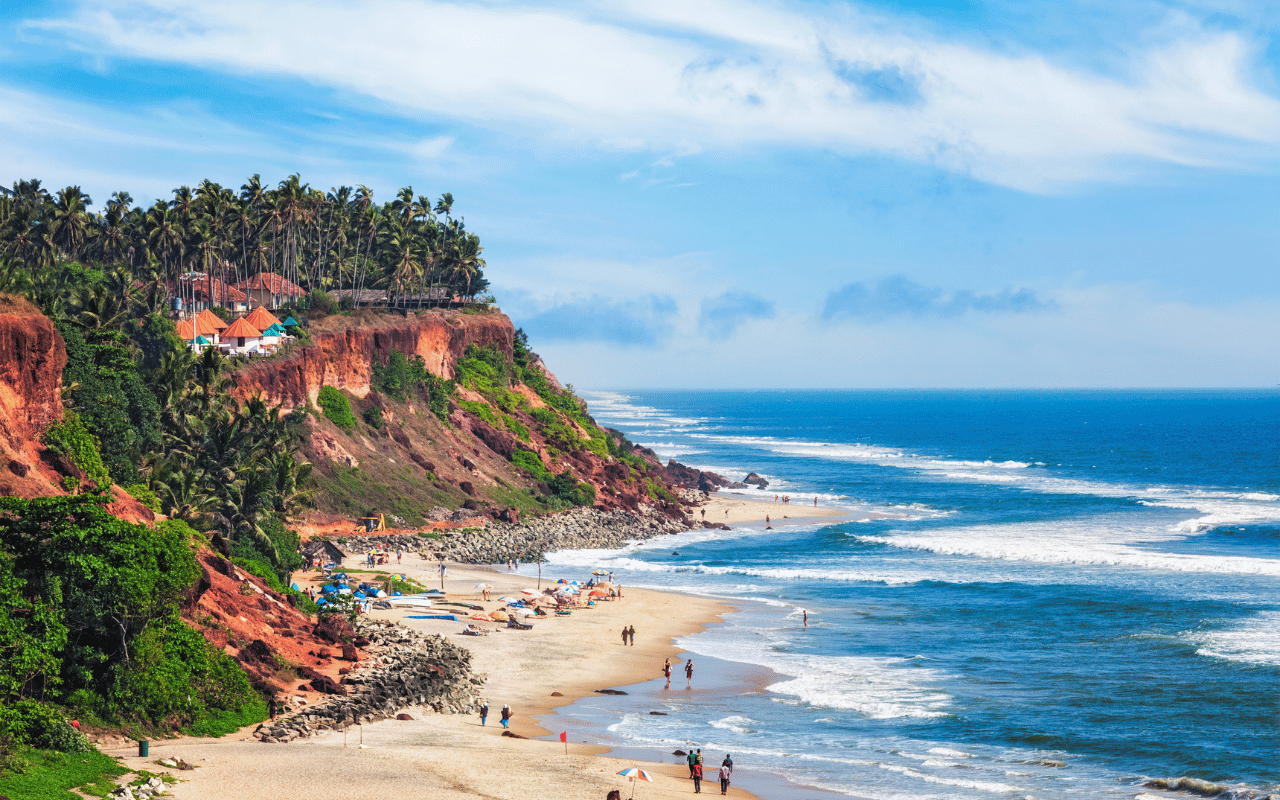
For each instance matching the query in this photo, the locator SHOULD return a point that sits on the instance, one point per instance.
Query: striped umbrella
(635, 774)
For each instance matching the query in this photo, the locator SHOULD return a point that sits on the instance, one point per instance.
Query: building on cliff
(269, 290)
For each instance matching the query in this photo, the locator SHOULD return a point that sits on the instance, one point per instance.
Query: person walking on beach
(697, 779)
(624, 635)
(506, 715)
(728, 762)
(688, 674)
(484, 712)
(631, 634)
(725, 772)
(692, 758)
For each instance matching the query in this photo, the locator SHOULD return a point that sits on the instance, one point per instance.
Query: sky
(734, 194)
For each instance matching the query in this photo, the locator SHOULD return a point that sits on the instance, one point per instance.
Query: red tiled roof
(201, 328)
(271, 282)
(212, 290)
(241, 328)
(261, 318)
(210, 318)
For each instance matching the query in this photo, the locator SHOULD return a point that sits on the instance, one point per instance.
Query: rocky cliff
(343, 349)
(31, 360)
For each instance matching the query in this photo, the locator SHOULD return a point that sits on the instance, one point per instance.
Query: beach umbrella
(599, 593)
(600, 572)
(499, 615)
(482, 586)
(506, 599)
(531, 592)
(635, 774)
(562, 580)
(481, 617)
(604, 585)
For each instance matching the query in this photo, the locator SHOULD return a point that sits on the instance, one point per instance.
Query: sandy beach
(448, 756)
(740, 509)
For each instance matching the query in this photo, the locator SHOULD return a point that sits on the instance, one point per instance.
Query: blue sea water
(1038, 594)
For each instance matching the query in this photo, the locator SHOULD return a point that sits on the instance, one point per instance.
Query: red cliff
(32, 356)
(343, 349)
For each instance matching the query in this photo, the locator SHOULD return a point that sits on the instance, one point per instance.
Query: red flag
(564, 736)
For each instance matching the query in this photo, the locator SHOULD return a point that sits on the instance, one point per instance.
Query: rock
(737, 485)
(658, 713)
(404, 717)
(679, 753)
(557, 694)
(609, 691)
(755, 480)
(511, 735)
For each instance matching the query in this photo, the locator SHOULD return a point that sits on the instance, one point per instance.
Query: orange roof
(208, 317)
(189, 329)
(239, 328)
(273, 283)
(261, 318)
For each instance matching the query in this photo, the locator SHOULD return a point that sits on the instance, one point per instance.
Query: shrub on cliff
(69, 437)
(336, 407)
(89, 614)
(399, 376)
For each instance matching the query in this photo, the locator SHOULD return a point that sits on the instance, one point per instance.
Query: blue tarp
(449, 617)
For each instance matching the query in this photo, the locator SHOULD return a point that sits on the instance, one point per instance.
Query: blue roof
(201, 340)
(291, 322)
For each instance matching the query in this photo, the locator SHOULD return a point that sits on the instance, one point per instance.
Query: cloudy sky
(1033, 193)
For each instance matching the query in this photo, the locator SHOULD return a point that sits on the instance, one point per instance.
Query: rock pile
(499, 542)
(408, 669)
(152, 787)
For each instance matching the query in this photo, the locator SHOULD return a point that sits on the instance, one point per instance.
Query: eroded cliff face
(32, 357)
(343, 350)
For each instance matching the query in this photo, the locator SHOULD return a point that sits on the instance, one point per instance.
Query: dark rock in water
(658, 713)
(557, 694)
(675, 553)
(679, 753)
(737, 485)
(511, 735)
(403, 716)
(755, 480)
(609, 691)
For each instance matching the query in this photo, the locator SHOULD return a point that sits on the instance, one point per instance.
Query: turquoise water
(1042, 594)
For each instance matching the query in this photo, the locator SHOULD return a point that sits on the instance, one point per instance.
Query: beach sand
(449, 756)
(740, 509)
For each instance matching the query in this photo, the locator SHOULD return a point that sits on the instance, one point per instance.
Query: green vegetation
(376, 486)
(89, 619)
(410, 249)
(143, 494)
(70, 437)
(481, 410)
(529, 461)
(50, 775)
(372, 417)
(399, 376)
(515, 426)
(105, 386)
(336, 407)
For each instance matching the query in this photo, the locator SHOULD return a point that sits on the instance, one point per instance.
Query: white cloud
(1114, 336)
(672, 77)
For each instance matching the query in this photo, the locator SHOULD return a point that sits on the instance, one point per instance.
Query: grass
(352, 491)
(50, 775)
(513, 497)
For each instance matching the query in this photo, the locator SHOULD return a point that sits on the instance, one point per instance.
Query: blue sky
(738, 194)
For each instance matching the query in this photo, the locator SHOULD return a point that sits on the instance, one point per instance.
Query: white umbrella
(482, 586)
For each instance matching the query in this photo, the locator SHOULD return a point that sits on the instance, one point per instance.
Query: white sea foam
(1098, 541)
(985, 786)
(737, 724)
(1255, 640)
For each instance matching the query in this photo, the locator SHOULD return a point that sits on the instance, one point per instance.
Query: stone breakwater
(407, 669)
(499, 542)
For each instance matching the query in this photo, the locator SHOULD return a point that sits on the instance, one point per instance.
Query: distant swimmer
(806, 617)
(767, 524)
(815, 502)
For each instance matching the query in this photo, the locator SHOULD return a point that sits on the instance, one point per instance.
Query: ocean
(1037, 594)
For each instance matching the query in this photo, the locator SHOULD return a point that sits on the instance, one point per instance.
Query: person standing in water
(688, 673)
(806, 618)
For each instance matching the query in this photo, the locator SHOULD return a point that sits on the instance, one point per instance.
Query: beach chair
(518, 625)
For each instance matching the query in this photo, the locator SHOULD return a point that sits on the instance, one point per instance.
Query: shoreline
(452, 756)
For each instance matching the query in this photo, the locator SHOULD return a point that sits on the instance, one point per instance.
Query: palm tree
(70, 222)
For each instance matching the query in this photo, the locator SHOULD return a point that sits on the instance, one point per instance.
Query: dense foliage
(89, 618)
(336, 407)
(411, 249)
(400, 376)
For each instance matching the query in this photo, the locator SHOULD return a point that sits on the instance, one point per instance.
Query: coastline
(452, 756)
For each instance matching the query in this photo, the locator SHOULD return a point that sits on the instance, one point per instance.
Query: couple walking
(629, 633)
(484, 713)
(695, 771)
